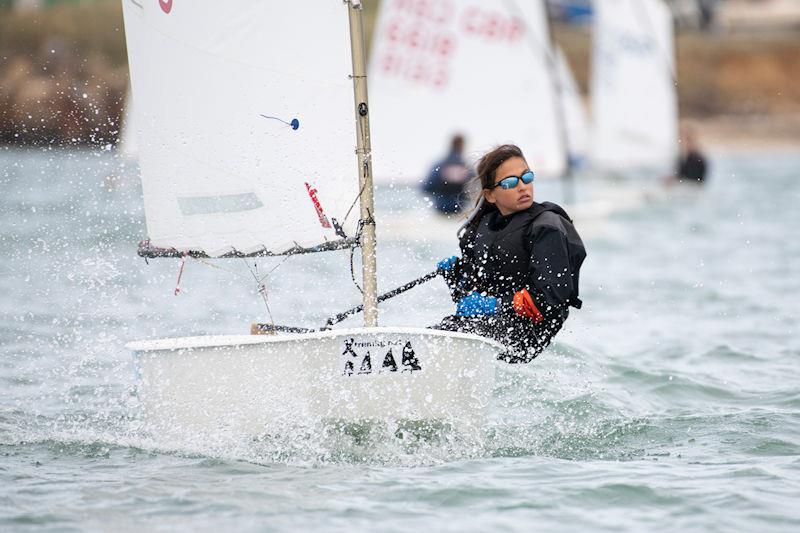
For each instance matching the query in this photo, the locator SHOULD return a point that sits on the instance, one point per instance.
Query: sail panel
(575, 119)
(126, 145)
(241, 113)
(634, 103)
(476, 67)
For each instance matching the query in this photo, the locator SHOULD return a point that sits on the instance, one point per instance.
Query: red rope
(180, 274)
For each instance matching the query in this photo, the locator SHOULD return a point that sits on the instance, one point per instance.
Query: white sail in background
(476, 67)
(634, 102)
(216, 86)
(576, 122)
(127, 146)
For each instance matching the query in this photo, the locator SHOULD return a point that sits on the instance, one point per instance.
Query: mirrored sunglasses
(511, 182)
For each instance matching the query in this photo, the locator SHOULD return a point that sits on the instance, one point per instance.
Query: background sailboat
(475, 67)
(633, 88)
(576, 121)
(246, 150)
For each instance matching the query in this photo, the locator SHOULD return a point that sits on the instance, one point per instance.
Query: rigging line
(367, 159)
(268, 274)
(262, 290)
(260, 281)
(538, 45)
(547, 47)
(664, 56)
(359, 229)
(207, 263)
(180, 275)
(353, 271)
(358, 196)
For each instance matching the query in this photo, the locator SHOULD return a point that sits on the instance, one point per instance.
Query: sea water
(671, 401)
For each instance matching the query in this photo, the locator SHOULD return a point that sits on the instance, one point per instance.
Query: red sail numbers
(491, 25)
(421, 36)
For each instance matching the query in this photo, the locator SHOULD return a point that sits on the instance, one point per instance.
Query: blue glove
(474, 304)
(445, 265)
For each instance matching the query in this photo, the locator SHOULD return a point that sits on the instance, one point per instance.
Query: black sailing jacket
(537, 249)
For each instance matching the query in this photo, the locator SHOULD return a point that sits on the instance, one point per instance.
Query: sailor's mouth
(524, 198)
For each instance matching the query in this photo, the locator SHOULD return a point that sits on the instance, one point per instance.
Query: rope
(259, 279)
(359, 230)
(358, 197)
(180, 275)
(262, 287)
(353, 271)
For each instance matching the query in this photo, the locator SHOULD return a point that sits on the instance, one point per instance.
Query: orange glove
(524, 306)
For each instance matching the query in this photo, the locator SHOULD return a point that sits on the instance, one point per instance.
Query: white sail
(576, 122)
(216, 86)
(127, 146)
(476, 67)
(634, 102)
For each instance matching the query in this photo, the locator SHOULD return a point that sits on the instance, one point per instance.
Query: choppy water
(672, 400)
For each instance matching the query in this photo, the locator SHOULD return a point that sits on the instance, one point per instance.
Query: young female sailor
(518, 274)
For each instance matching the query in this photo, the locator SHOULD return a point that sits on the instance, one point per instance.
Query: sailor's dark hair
(487, 167)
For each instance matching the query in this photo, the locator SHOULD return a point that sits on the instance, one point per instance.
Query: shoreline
(724, 133)
(750, 133)
(63, 79)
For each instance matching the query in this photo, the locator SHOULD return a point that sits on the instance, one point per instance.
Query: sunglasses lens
(509, 183)
(527, 177)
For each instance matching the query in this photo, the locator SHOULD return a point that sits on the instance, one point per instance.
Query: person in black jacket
(519, 270)
(448, 179)
(691, 165)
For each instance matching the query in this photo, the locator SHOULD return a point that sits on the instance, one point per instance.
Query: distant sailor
(692, 164)
(519, 270)
(448, 179)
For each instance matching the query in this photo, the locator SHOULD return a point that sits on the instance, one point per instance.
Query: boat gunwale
(225, 341)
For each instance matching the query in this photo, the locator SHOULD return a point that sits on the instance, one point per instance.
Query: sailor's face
(511, 200)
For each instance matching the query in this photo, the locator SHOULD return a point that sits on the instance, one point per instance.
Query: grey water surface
(671, 401)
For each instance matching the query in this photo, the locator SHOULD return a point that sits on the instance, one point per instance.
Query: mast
(364, 152)
(567, 178)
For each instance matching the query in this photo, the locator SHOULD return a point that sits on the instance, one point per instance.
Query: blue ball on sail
(295, 123)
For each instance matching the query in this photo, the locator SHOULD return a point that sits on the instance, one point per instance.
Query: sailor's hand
(475, 304)
(446, 265)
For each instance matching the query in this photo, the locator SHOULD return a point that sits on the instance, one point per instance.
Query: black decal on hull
(410, 361)
(366, 365)
(389, 363)
(349, 368)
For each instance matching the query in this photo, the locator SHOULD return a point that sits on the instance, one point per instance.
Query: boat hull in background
(248, 384)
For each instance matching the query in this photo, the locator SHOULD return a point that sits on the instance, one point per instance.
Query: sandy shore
(748, 132)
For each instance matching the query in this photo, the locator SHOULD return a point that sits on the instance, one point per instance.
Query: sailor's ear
(488, 194)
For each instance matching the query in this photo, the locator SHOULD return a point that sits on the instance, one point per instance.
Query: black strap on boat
(260, 329)
(385, 296)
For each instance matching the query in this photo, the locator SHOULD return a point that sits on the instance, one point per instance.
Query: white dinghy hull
(248, 383)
